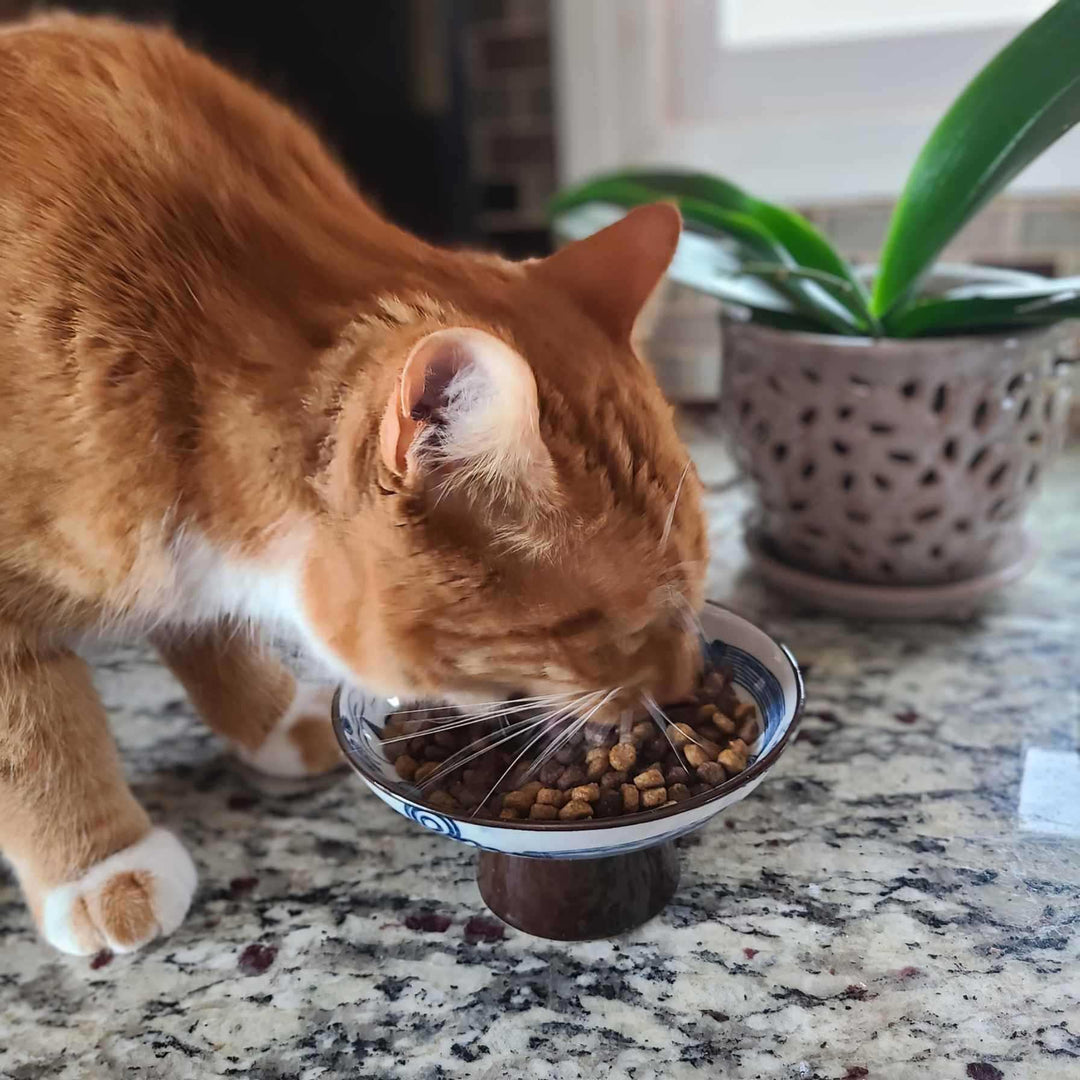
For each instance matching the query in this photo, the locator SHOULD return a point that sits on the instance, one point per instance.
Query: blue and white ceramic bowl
(764, 673)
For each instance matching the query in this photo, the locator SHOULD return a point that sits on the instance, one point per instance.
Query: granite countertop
(886, 904)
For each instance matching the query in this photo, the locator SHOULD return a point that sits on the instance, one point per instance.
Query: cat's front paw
(302, 743)
(124, 901)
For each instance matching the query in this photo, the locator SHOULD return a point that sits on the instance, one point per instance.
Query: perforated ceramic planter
(894, 462)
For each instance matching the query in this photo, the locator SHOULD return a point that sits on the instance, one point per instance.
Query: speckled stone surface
(876, 909)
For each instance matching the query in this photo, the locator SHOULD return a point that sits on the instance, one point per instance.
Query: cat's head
(511, 509)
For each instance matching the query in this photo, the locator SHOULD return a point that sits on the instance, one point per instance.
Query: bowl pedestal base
(579, 899)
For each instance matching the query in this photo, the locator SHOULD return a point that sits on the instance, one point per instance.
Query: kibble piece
(609, 804)
(707, 711)
(449, 738)
(750, 730)
(550, 796)
(696, 755)
(596, 762)
(653, 798)
(678, 792)
(519, 778)
(725, 725)
(651, 778)
(680, 734)
(585, 793)
(425, 770)
(655, 749)
(623, 756)
(570, 777)
(699, 789)
(733, 762)
(518, 800)
(435, 753)
(745, 709)
(507, 813)
(532, 788)
(406, 766)
(576, 810)
(711, 773)
(550, 772)
(614, 780)
(543, 812)
(567, 755)
(443, 800)
(739, 747)
(631, 798)
(676, 774)
(393, 747)
(642, 731)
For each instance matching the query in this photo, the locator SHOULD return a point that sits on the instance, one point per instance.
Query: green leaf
(754, 243)
(808, 247)
(983, 314)
(1026, 98)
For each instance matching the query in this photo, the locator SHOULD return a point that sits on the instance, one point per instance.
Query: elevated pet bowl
(575, 881)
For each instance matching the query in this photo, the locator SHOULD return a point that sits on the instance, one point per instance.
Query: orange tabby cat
(231, 394)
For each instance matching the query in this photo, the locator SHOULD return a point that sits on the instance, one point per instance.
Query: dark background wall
(440, 109)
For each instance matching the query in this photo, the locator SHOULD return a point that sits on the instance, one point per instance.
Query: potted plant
(896, 419)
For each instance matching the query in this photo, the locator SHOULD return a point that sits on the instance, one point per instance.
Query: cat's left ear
(614, 272)
(465, 401)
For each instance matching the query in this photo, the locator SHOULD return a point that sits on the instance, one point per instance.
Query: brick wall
(508, 75)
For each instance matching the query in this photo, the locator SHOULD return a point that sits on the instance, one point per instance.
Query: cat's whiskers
(524, 750)
(472, 718)
(679, 567)
(663, 721)
(503, 735)
(690, 616)
(671, 512)
(568, 733)
(521, 702)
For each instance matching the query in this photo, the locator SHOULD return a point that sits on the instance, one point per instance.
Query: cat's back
(156, 217)
(77, 94)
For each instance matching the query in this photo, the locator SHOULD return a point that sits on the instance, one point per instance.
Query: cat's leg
(276, 724)
(94, 871)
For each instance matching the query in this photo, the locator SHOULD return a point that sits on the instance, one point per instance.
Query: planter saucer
(953, 600)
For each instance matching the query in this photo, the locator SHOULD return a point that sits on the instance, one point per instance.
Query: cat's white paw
(124, 901)
(302, 743)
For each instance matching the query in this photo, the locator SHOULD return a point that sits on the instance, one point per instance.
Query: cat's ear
(614, 272)
(465, 401)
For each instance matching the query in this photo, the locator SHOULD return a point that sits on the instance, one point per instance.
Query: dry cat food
(500, 768)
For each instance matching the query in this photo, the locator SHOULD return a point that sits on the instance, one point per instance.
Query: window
(756, 24)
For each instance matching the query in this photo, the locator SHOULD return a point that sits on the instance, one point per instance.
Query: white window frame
(647, 82)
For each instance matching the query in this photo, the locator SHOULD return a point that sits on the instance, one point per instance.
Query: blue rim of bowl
(760, 766)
